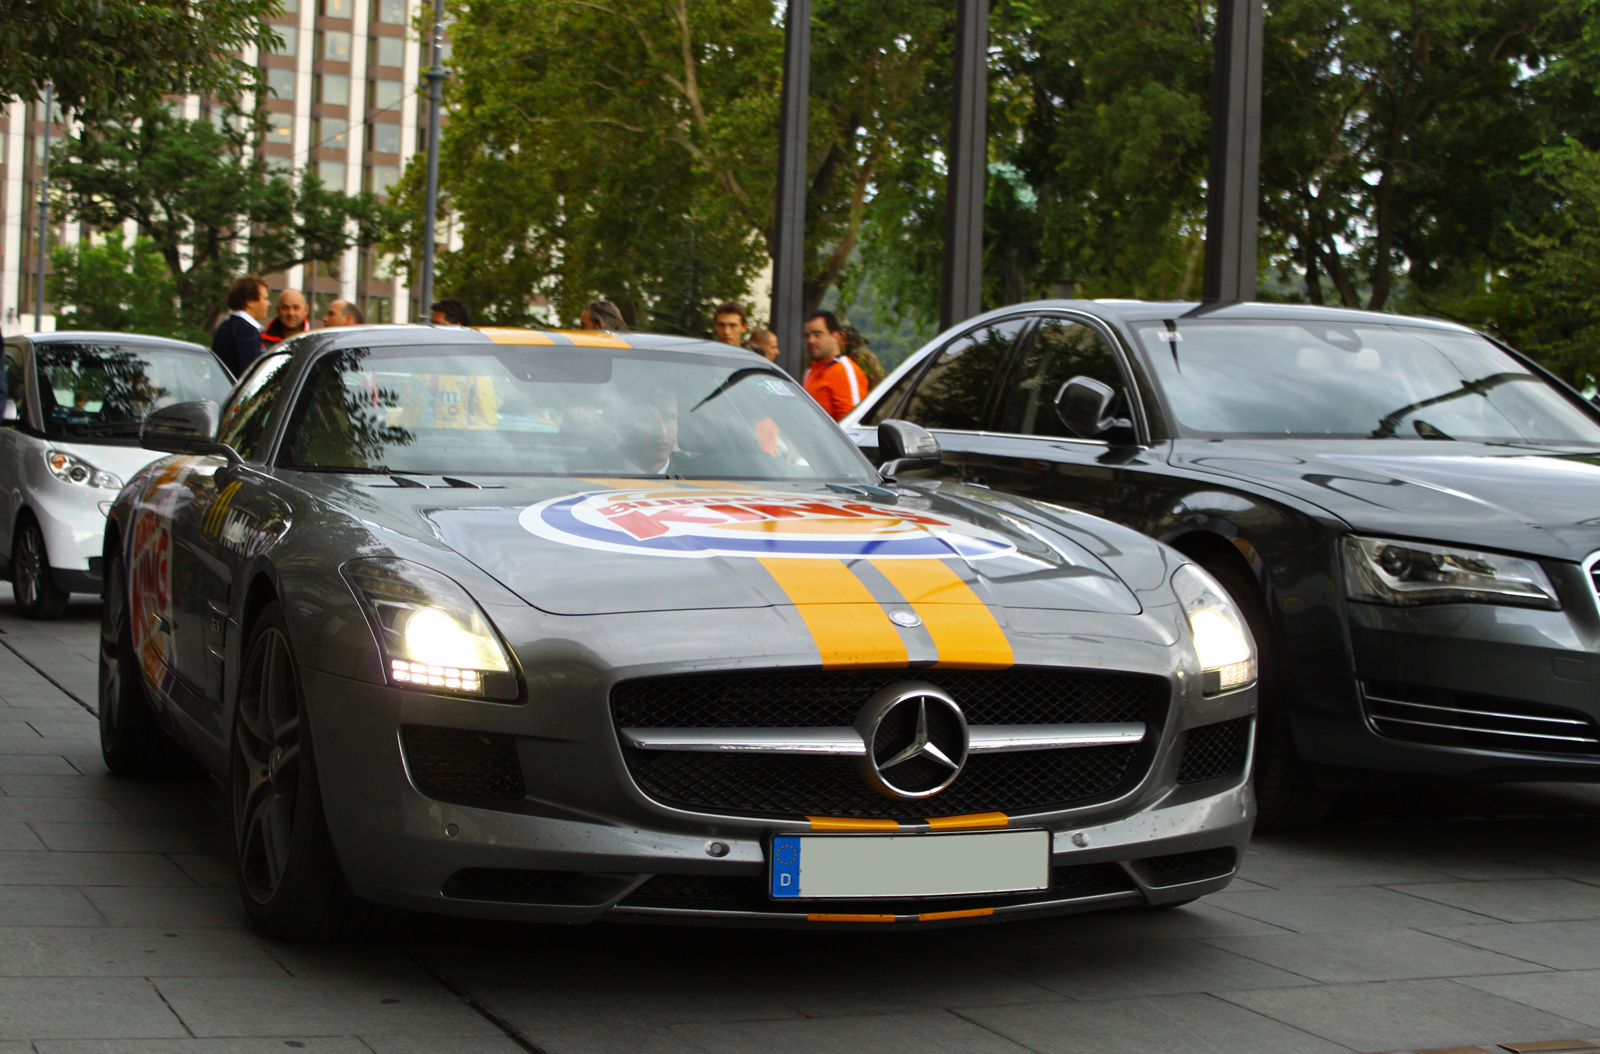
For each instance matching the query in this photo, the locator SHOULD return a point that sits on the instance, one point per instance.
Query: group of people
(841, 373)
(245, 333)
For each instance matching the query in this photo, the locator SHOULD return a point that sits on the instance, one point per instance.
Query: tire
(1287, 795)
(131, 740)
(35, 592)
(289, 876)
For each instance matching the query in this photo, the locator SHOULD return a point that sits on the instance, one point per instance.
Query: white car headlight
(1382, 571)
(1221, 640)
(433, 635)
(69, 469)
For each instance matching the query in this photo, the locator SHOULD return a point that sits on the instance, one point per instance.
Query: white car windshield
(519, 410)
(107, 390)
(1339, 380)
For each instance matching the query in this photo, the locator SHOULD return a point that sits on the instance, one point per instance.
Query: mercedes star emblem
(905, 619)
(916, 738)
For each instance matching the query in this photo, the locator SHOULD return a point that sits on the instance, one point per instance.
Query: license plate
(808, 867)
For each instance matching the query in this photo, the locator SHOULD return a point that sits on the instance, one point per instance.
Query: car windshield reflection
(92, 391)
(1287, 379)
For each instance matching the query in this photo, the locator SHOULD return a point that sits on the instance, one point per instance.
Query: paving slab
(658, 1040)
(1107, 971)
(90, 869)
(48, 906)
(1341, 908)
(1574, 994)
(262, 1045)
(41, 951)
(1372, 955)
(1405, 1015)
(930, 1033)
(119, 1008)
(1558, 945)
(265, 1006)
(1527, 900)
(1204, 918)
(1192, 1024)
(175, 906)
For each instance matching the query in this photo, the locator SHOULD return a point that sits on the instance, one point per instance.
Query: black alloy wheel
(131, 741)
(1287, 795)
(35, 592)
(289, 875)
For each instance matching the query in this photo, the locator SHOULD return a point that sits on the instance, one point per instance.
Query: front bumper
(72, 518)
(540, 858)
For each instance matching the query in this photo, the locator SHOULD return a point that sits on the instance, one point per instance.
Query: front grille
(749, 893)
(789, 785)
(507, 884)
(1424, 714)
(455, 762)
(1213, 751)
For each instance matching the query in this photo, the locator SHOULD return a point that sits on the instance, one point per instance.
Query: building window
(333, 89)
(332, 174)
(391, 11)
(289, 7)
(279, 163)
(383, 138)
(281, 83)
(386, 51)
(280, 128)
(379, 309)
(333, 46)
(288, 37)
(330, 133)
(338, 8)
(379, 178)
(384, 95)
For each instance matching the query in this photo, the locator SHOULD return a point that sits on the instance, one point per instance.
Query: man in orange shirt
(834, 380)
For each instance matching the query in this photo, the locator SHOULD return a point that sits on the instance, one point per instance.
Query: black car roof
(1148, 310)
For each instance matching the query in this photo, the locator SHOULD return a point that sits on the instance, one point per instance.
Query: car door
(1028, 451)
(216, 533)
(954, 395)
(14, 445)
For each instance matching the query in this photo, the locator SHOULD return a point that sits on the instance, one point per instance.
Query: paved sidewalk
(1428, 918)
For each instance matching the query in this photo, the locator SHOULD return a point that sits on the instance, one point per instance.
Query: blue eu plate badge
(786, 865)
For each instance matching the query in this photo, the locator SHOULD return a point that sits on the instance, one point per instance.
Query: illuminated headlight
(433, 635)
(69, 469)
(1381, 571)
(1223, 644)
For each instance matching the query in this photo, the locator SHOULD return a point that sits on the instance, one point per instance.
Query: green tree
(207, 205)
(111, 285)
(100, 55)
(628, 150)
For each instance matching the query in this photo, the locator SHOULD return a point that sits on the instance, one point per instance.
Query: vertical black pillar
(789, 226)
(1235, 185)
(962, 295)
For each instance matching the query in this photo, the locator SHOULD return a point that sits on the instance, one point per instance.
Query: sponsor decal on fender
(707, 523)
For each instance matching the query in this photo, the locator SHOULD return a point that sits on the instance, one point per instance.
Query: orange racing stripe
(969, 822)
(849, 626)
(845, 823)
(962, 626)
(970, 913)
(849, 918)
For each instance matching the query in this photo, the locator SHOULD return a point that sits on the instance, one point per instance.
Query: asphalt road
(1426, 917)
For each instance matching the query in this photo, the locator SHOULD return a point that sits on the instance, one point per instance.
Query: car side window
(1059, 350)
(955, 389)
(16, 386)
(890, 399)
(244, 422)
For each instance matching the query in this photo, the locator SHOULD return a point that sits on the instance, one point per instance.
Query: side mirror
(1081, 404)
(8, 412)
(185, 428)
(903, 445)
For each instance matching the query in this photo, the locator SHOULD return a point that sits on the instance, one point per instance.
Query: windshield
(520, 410)
(107, 390)
(1265, 378)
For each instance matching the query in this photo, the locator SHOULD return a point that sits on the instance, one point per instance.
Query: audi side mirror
(903, 445)
(185, 428)
(1083, 404)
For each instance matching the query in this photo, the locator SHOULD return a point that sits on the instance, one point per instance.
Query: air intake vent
(1437, 715)
(1214, 751)
(458, 763)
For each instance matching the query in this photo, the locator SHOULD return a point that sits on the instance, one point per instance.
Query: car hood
(1539, 501)
(651, 546)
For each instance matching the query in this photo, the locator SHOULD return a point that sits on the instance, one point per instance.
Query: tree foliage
(209, 207)
(110, 285)
(100, 55)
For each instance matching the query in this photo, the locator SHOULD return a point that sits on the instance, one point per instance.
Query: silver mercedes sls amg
(558, 627)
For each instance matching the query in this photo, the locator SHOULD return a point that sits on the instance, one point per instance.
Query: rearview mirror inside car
(185, 428)
(1083, 403)
(903, 445)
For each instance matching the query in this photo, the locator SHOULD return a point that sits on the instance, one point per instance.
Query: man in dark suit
(237, 340)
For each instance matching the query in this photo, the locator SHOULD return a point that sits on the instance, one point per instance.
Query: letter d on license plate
(855, 866)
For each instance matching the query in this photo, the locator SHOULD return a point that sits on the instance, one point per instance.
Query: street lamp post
(789, 225)
(969, 155)
(430, 219)
(1233, 196)
(44, 209)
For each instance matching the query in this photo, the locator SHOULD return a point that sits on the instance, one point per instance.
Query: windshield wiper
(733, 378)
(1389, 423)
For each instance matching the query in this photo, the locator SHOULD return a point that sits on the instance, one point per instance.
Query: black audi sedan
(1407, 511)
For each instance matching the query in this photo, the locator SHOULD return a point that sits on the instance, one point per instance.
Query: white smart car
(70, 437)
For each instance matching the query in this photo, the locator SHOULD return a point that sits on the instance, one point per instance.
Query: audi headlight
(1227, 653)
(1381, 571)
(69, 469)
(433, 635)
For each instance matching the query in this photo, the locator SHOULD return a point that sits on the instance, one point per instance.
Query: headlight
(1381, 571)
(1227, 654)
(69, 469)
(433, 635)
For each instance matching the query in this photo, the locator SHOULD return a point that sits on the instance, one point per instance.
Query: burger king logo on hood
(706, 523)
